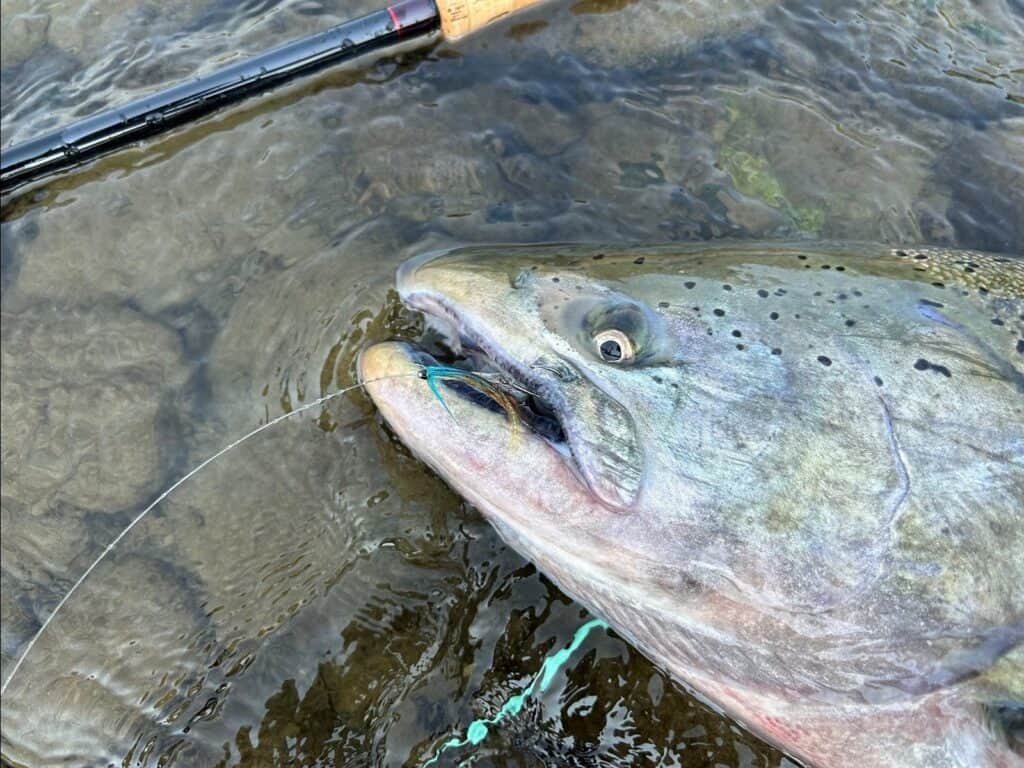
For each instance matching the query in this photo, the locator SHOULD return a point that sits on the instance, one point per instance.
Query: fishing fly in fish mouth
(791, 476)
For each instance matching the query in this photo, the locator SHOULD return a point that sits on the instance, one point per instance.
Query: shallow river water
(316, 596)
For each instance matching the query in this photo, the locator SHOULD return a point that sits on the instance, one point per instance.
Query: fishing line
(166, 493)
(477, 730)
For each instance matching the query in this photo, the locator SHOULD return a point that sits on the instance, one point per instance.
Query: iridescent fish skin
(803, 495)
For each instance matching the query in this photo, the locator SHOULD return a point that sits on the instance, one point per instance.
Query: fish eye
(614, 346)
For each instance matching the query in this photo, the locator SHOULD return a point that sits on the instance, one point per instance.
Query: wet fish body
(792, 475)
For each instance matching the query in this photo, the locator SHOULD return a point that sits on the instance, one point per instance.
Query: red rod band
(394, 18)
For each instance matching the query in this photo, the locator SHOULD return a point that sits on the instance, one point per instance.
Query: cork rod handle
(460, 17)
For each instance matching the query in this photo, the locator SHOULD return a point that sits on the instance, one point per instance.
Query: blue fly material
(435, 373)
(478, 381)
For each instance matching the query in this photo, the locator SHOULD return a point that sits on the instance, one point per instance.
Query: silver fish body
(792, 475)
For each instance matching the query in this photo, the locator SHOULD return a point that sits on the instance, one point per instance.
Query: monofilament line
(164, 495)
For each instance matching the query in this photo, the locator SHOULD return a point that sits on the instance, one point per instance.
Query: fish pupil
(611, 350)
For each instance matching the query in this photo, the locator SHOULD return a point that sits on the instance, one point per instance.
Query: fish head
(583, 348)
(727, 438)
(578, 462)
(730, 453)
(617, 471)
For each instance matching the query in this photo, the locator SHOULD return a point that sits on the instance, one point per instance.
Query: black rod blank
(110, 130)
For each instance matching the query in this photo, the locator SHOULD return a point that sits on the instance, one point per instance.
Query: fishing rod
(405, 22)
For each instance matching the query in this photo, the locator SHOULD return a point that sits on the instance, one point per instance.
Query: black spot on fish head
(923, 365)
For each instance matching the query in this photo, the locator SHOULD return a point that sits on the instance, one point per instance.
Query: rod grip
(460, 17)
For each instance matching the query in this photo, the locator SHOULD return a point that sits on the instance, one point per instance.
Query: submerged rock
(87, 29)
(22, 33)
(856, 186)
(985, 170)
(115, 661)
(82, 392)
(85, 440)
(637, 34)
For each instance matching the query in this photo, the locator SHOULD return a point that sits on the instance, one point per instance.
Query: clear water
(317, 597)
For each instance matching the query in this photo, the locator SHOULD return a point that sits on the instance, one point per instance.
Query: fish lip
(431, 303)
(436, 305)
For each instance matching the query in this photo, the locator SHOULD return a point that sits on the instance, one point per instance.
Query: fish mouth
(455, 344)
